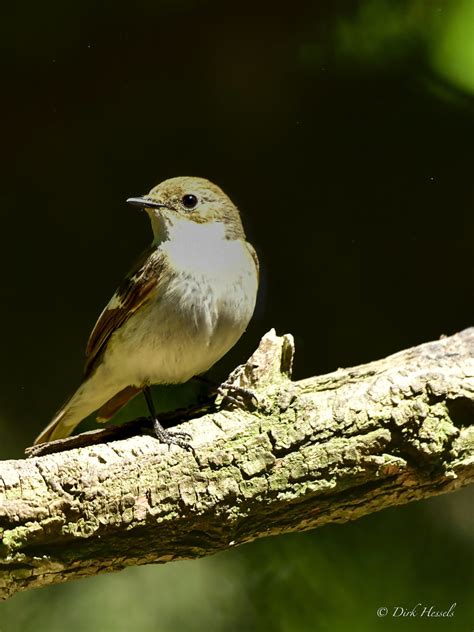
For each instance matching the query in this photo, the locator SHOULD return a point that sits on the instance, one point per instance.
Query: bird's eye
(189, 201)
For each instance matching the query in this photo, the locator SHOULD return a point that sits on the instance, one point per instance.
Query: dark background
(344, 131)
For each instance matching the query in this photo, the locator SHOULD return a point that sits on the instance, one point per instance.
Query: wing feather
(138, 287)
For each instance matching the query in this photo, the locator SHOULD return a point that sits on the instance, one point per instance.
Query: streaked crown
(194, 199)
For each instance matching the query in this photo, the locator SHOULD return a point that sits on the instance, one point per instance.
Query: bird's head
(189, 199)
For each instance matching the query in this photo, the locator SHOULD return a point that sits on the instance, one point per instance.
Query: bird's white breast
(201, 309)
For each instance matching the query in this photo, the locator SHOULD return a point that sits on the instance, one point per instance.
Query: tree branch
(324, 449)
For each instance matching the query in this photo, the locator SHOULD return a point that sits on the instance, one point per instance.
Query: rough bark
(324, 449)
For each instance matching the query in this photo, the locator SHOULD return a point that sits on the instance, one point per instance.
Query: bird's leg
(235, 394)
(177, 437)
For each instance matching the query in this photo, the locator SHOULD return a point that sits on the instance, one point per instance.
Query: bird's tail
(75, 409)
(60, 427)
(85, 401)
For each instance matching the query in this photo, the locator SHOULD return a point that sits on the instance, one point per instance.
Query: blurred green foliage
(377, 33)
(453, 50)
(344, 130)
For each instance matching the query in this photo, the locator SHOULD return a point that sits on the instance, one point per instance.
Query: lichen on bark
(325, 449)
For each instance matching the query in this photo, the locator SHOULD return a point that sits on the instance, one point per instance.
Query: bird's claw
(238, 395)
(175, 437)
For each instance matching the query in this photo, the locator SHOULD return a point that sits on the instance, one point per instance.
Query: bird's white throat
(201, 248)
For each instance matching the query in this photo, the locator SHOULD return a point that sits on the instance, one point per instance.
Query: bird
(184, 305)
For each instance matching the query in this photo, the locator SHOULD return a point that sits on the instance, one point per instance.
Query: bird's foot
(239, 396)
(175, 437)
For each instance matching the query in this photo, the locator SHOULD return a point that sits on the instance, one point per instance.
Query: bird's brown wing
(138, 287)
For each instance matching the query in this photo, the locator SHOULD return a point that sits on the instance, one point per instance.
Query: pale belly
(194, 321)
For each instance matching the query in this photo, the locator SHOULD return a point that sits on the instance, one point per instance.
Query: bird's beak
(143, 202)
